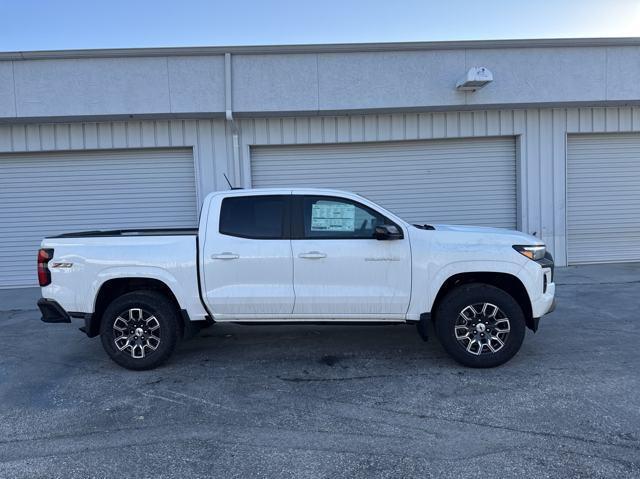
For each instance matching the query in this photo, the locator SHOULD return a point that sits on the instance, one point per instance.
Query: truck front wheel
(139, 330)
(479, 325)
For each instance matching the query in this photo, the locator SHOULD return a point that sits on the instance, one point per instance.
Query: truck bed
(132, 232)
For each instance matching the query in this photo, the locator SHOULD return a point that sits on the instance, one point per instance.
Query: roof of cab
(283, 191)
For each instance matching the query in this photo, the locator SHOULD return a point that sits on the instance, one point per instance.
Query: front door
(340, 270)
(248, 268)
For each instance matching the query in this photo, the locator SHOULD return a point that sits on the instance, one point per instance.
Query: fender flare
(141, 272)
(469, 266)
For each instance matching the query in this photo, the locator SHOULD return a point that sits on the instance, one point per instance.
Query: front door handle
(225, 255)
(312, 255)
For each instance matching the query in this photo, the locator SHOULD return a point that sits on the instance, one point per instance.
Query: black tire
(449, 315)
(151, 304)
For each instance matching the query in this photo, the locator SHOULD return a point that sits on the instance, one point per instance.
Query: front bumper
(545, 303)
(52, 312)
(553, 306)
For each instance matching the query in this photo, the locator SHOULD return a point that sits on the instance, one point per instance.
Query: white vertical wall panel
(603, 198)
(464, 181)
(47, 194)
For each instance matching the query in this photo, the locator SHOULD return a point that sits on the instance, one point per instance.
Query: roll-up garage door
(43, 194)
(461, 181)
(603, 198)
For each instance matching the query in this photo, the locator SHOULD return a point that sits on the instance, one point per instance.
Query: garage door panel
(603, 198)
(466, 181)
(47, 194)
(499, 173)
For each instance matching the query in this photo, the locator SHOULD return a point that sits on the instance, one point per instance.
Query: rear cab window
(255, 217)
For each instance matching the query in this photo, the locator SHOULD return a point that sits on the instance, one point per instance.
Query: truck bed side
(82, 263)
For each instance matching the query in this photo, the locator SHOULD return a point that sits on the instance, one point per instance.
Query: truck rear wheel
(140, 330)
(479, 325)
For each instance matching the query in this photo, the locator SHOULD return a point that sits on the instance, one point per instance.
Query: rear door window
(255, 217)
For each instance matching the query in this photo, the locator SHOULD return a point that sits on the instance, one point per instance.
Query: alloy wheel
(482, 328)
(137, 332)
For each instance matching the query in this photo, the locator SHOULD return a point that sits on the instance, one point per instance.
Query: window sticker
(330, 216)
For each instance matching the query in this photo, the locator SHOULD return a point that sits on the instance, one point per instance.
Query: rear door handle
(225, 255)
(312, 255)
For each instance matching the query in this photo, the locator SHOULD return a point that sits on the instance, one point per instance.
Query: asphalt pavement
(332, 401)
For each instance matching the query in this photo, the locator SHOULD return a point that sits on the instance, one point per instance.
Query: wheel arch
(507, 282)
(116, 287)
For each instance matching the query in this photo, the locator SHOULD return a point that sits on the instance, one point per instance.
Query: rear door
(340, 270)
(248, 269)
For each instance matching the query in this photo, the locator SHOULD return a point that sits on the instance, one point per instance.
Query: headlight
(532, 252)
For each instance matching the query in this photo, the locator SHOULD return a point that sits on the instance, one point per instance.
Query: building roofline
(321, 48)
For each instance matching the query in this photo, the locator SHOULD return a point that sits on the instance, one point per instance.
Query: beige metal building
(136, 138)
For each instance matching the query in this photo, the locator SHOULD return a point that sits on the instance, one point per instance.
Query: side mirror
(387, 232)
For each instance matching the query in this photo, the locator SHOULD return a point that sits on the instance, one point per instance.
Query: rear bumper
(52, 312)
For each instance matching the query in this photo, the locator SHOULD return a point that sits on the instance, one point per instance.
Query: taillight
(44, 275)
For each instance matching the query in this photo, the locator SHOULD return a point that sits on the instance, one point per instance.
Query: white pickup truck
(297, 255)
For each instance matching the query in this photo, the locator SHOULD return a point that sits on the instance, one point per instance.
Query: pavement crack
(347, 378)
(515, 429)
(435, 417)
(599, 283)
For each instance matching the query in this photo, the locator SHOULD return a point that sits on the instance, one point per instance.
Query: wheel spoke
(120, 324)
(489, 314)
(470, 347)
(506, 325)
(139, 354)
(466, 318)
(122, 342)
(463, 329)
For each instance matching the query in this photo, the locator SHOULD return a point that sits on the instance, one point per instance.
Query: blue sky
(68, 24)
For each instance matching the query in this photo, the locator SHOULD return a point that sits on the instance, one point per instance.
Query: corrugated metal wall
(88, 190)
(541, 145)
(207, 138)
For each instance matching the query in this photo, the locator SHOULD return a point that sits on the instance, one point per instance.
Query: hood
(513, 235)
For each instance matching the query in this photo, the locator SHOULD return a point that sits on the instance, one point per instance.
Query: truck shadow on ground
(326, 345)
